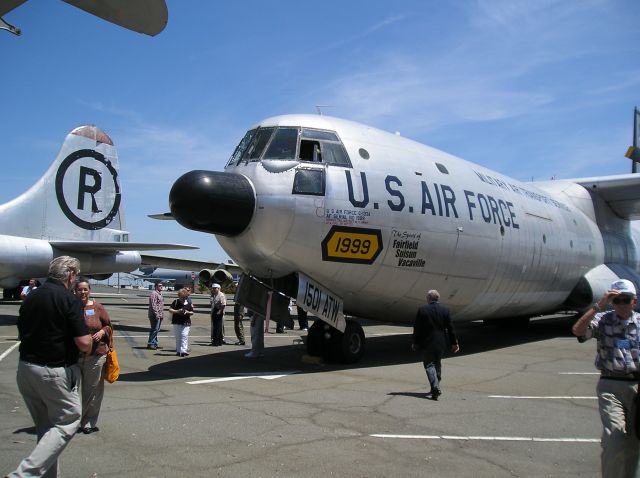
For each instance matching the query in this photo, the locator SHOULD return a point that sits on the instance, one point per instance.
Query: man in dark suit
(432, 331)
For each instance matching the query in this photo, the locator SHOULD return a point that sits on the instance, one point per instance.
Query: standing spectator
(181, 311)
(52, 332)
(238, 326)
(92, 363)
(257, 335)
(617, 333)
(156, 314)
(218, 303)
(431, 332)
(33, 284)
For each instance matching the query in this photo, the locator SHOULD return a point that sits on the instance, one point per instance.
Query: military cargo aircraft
(351, 220)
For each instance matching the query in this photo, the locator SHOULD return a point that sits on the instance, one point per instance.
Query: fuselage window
(257, 145)
(283, 145)
(309, 181)
(442, 168)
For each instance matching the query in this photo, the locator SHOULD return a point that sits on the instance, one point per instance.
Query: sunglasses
(622, 300)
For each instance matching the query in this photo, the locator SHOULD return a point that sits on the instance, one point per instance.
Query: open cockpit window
(322, 147)
(291, 143)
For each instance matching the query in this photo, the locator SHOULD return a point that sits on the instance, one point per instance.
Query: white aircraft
(142, 16)
(74, 209)
(352, 220)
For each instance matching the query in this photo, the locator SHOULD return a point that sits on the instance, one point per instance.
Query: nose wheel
(331, 344)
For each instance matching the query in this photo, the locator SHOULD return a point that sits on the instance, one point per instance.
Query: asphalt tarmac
(515, 403)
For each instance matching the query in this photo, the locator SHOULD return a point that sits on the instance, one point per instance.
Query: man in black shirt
(431, 332)
(52, 333)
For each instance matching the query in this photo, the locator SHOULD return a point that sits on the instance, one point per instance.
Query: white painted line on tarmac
(264, 376)
(550, 397)
(9, 350)
(488, 438)
(578, 373)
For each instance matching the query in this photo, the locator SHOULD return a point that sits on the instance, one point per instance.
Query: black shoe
(85, 430)
(435, 394)
(184, 354)
(152, 347)
(240, 342)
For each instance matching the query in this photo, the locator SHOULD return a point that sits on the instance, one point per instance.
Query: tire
(350, 344)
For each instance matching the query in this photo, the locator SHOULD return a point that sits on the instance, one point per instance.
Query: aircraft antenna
(319, 108)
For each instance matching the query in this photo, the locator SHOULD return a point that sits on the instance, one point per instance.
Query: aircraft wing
(186, 264)
(620, 192)
(143, 16)
(110, 247)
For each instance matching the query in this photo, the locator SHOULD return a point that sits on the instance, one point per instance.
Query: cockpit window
(283, 145)
(241, 148)
(318, 134)
(257, 145)
(291, 143)
(322, 147)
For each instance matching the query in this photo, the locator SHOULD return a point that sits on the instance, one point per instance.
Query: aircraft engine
(596, 282)
(213, 202)
(220, 276)
(100, 276)
(23, 258)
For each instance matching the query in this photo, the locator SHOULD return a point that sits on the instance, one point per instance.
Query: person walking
(617, 333)
(156, 314)
(52, 333)
(432, 330)
(92, 363)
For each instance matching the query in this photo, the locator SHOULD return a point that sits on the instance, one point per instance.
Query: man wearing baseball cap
(218, 303)
(617, 335)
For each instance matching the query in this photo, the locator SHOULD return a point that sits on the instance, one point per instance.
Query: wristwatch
(596, 307)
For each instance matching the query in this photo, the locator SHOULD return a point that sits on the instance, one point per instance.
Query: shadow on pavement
(381, 351)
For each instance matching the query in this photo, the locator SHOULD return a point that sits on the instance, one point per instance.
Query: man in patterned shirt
(617, 359)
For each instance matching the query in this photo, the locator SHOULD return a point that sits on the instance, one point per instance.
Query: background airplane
(75, 209)
(181, 278)
(143, 16)
(355, 221)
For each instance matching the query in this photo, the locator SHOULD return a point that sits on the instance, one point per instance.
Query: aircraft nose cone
(214, 202)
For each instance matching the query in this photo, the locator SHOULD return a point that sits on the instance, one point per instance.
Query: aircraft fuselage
(399, 218)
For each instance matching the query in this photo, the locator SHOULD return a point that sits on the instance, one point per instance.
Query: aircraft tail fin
(77, 199)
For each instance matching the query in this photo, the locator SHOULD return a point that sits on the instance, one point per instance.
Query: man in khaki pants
(618, 333)
(52, 333)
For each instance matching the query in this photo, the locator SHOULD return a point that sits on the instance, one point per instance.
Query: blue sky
(532, 89)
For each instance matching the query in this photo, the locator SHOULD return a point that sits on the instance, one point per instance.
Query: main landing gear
(331, 344)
